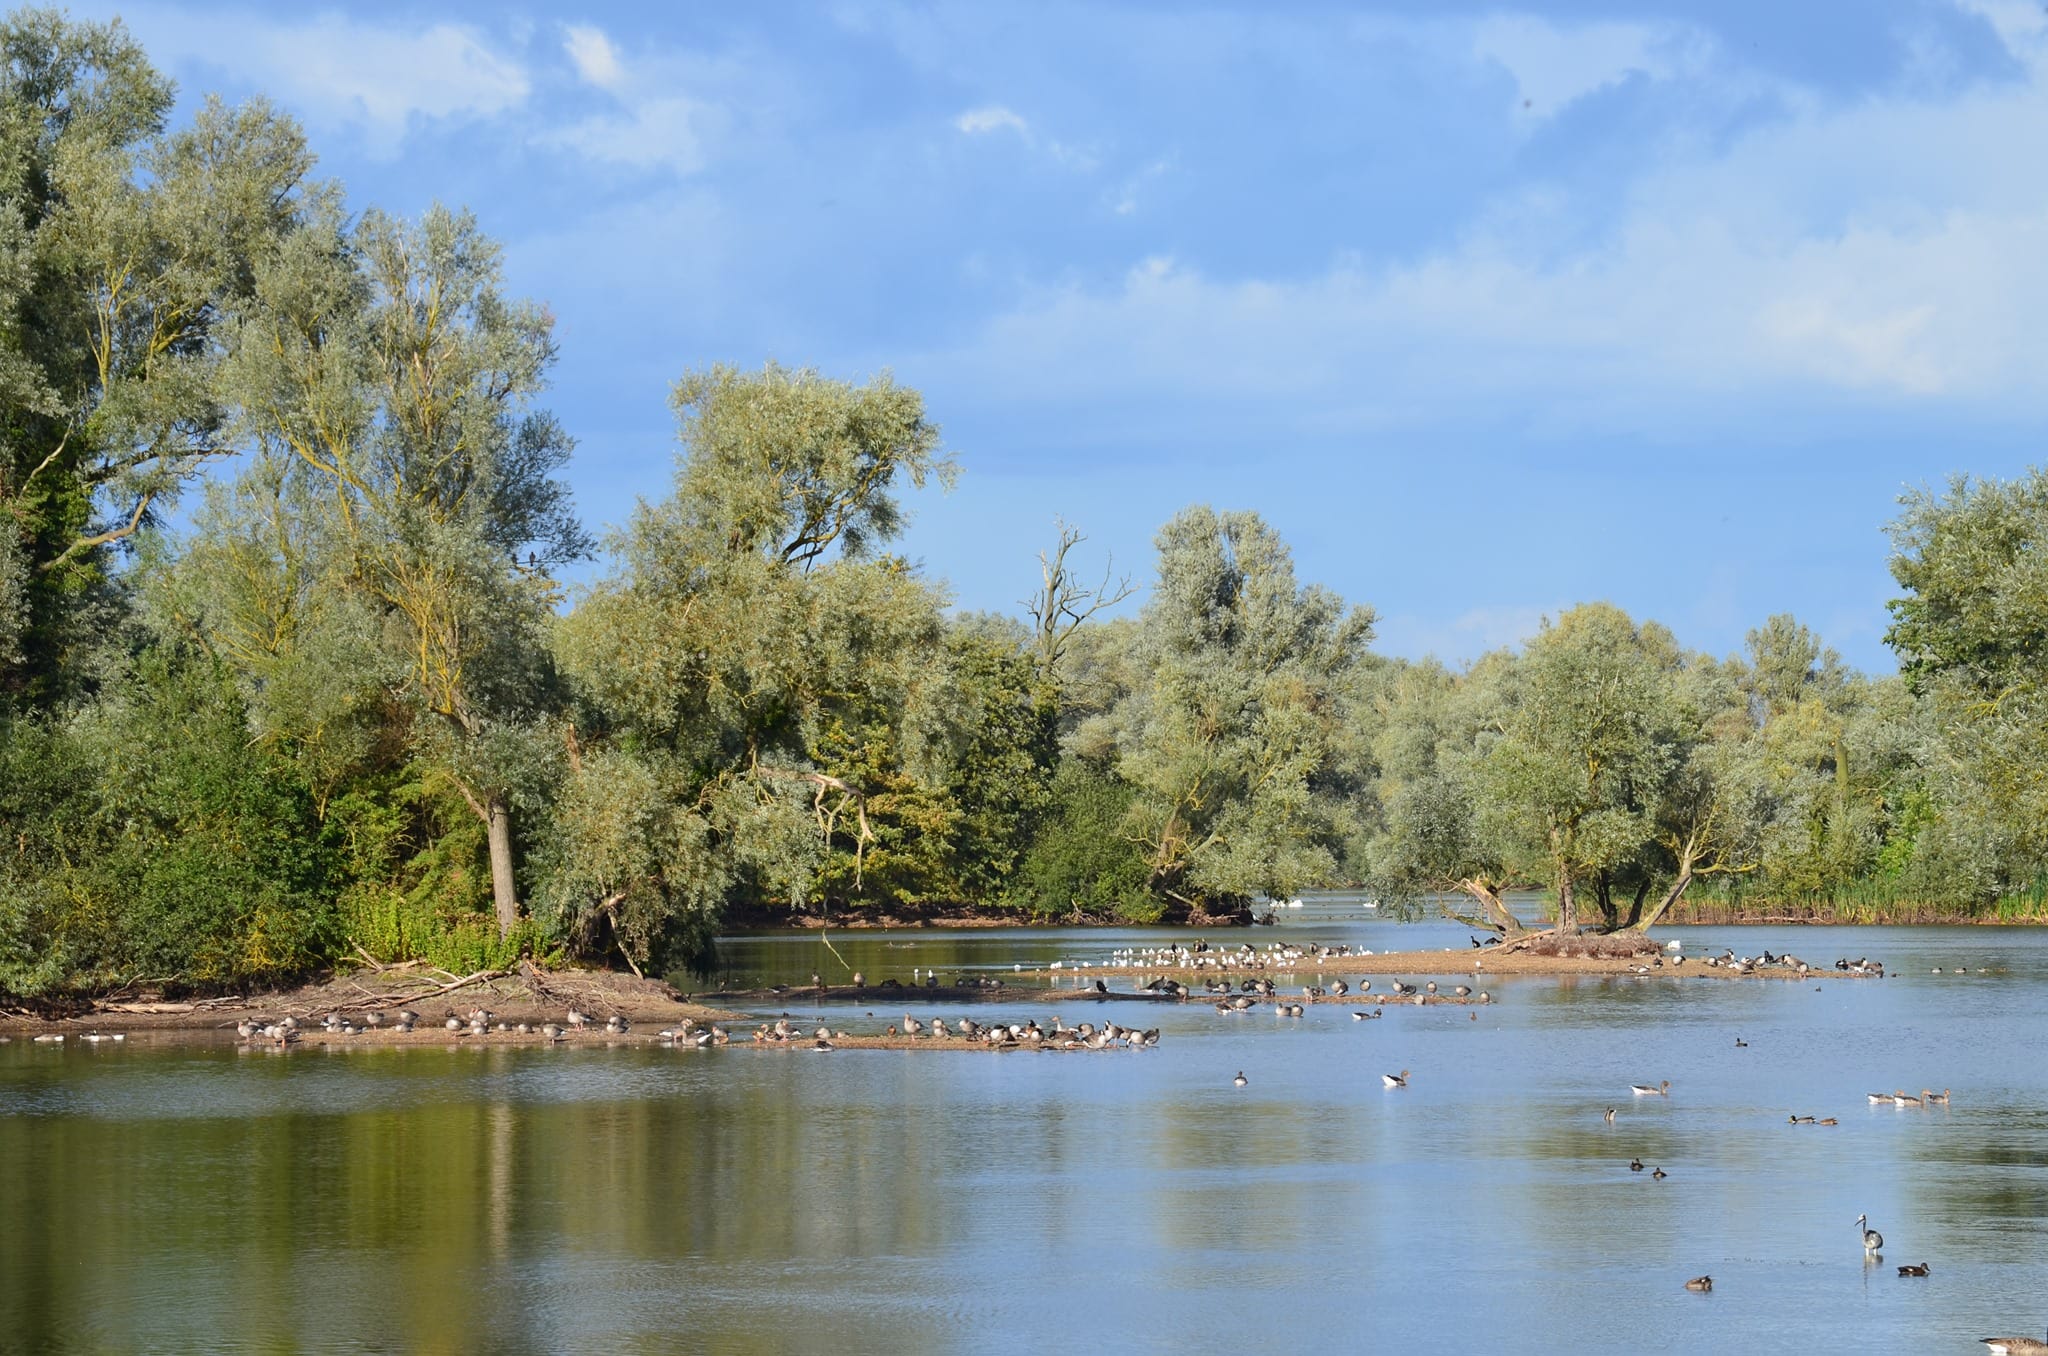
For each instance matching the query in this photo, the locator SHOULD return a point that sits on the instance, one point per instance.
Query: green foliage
(1085, 862)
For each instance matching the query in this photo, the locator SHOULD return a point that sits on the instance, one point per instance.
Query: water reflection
(195, 1198)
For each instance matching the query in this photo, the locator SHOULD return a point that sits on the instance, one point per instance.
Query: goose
(576, 1020)
(1635, 1165)
(1918, 1270)
(408, 1017)
(551, 1031)
(1879, 1098)
(453, 1023)
(1659, 1173)
(1463, 990)
(1610, 1115)
(1663, 1089)
(1872, 1239)
(1399, 1080)
(1904, 1099)
(1240, 1080)
(2015, 1346)
(1935, 1098)
(1700, 1284)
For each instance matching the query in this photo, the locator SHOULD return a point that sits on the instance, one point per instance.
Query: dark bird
(1635, 1165)
(1240, 1080)
(1917, 1270)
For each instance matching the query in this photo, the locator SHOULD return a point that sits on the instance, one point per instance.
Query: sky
(1490, 311)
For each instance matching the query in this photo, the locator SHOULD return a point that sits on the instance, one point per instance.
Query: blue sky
(1489, 310)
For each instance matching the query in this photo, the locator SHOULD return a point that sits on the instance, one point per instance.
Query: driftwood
(396, 999)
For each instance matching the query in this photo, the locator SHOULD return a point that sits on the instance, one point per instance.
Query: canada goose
(1610, 1115)
(1872, 1239)
(1919, 1270)
(1399, 1080)
(1240, 1080)
(1659, 1173)
(1635, 1165)
(1663, 1089)
(1935, 1098)
(2015, 1346)
(1701, 1284)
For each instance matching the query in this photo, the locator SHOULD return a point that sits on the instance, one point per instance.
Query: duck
(1872, 1239)
(1741, 1044)
(1240, 1080)
(1635, 1165)
(1917, 1269)
(1700, 1284)
(1399, 1080)
(1659, 1173)
(1797, 1119)
(1663, 1089)
(2015, 1346)
(1827, 1120)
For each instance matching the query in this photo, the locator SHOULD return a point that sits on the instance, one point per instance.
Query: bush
(1082, 859)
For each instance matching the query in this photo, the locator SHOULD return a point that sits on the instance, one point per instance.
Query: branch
(112, 534)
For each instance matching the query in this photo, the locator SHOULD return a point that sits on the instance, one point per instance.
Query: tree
(1971, 632)
(1065, 603)
(754, 656)
(123, 248)
(390, 383)
(1229, 737)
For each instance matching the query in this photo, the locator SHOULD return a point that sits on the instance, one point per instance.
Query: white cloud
(378, 76)
(994, 117)
(1465, 638)
(664, 132)
(1555, 66)
(595, 59)
(1870, 255)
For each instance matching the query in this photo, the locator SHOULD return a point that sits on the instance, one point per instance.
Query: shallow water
(168, 1195)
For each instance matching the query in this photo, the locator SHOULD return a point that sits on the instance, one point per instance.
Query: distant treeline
(339, 704)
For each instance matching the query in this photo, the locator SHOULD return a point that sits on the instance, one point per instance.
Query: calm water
(162, 1196)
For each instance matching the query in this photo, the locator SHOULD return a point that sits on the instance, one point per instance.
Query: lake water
(172, 1195)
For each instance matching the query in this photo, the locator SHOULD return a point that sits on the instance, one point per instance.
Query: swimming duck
(1663, 1089)
(1917, 1270)
(1872, 1239)
(1399, 1080)
(1700, 1284)
(1827, 1120)
(1635, 1165)
(1659, 1173)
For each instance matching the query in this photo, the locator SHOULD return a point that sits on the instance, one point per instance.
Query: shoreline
(650, 1004)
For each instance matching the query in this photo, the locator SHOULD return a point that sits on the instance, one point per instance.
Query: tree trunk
(1603, 895)
(1499, 917)
(1635, 908)
(1671, 897)
(498, 820)
(1567, 906)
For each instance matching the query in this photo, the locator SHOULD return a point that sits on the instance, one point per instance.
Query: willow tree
(1228, 739)
(744, 671)
(124, 246)
(1971, 632)
(386, 377)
